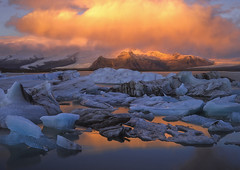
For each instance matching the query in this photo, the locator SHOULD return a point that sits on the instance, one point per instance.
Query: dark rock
(100, 118)
(171, 118)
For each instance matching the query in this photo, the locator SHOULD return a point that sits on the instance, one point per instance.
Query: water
(99, 153)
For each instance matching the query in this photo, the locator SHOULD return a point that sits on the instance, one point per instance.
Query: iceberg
(23, 126)
(14, 138)
(222, 107)
(199, 120)
(42, 95)
(181, 91)
(158, 106)
(62, 121)
(235, 117)
(18, 102)
(220, 126)
(113, 76)
(168, 85)
(67, 144)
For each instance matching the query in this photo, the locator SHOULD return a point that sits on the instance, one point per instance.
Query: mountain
(35, 62)
(152, 60)
(13, 62)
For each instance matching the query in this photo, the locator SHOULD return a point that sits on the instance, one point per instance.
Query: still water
(99, 153)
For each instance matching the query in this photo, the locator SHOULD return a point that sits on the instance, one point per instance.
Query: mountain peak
(151, 60)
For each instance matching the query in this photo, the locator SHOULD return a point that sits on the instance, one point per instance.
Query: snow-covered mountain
(152, 60)
(35, 62)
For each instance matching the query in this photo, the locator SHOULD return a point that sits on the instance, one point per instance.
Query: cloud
(166, 25)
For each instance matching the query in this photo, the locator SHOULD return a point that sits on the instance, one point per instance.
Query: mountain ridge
(152, 61)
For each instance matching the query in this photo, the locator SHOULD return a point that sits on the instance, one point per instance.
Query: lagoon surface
(99, 153)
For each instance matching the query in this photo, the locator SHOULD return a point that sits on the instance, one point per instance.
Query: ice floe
(168, 86)
(113, 76)
(67, 144)
(158, 106)
(23, 126)
(18, 102)
(222, 107)
(62, 121)
(220, 126)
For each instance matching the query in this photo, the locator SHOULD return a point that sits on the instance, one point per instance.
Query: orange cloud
(168, 25)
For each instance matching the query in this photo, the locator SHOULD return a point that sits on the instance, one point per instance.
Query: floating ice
(67, 144)
(235, 117)
(199, 120)
(158, 106)
(112, 76)
(221, 107)
(62, 121)
(231, 139)
(182, 90)
(220, 126)
(23, 126)
(42, 95)
(18, 102)
(168, 86)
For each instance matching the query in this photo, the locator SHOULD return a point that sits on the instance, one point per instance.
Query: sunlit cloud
(165, 25)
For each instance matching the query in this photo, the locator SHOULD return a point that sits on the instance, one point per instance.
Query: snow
(23, 126)
(158, 106)
(221, 107)
(62, 121)
(67, 144)
(182, 90)
(113, 76)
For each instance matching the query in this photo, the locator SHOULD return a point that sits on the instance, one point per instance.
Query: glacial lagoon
(100, 153)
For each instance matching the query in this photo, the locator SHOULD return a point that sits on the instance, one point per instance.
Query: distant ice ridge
(59, 75)
(113, 76)
(62, 121)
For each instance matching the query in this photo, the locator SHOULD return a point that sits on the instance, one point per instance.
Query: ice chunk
(23, 126)
(220, 126)
(231, 139)
(42, 95)
(221, 107)
(16, 94)
(112, 76)
(235, 117)
(182, 90)
(199, 120)
(158, 106)
(62, 121)
(67, 144)
(18, 102)
(14, 138)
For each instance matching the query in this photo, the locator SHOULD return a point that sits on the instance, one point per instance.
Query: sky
(206, 28)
